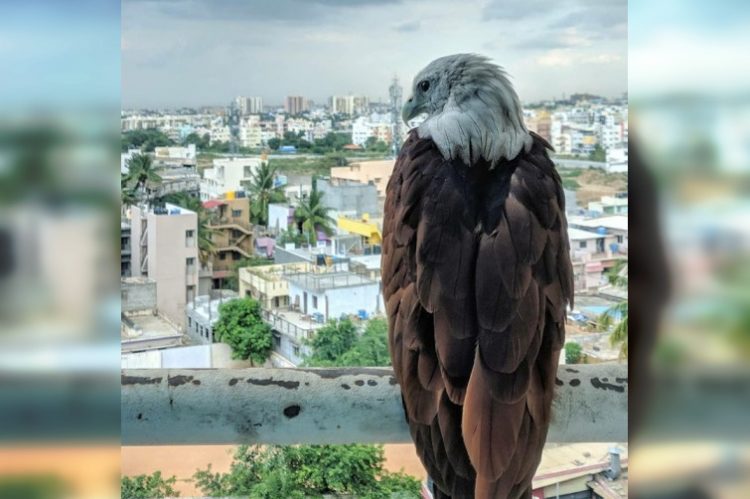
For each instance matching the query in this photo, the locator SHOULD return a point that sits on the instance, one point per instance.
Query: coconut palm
(263, 191)
(128, 196)
(142, 177)
(617, 315)
(312, 215)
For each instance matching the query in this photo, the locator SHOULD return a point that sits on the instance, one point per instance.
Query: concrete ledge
(334, 406)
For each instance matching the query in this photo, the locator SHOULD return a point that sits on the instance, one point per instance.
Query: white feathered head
(473, 112)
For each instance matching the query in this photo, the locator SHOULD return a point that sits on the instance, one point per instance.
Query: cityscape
(281, 206)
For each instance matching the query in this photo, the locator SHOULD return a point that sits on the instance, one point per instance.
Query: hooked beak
(410, 110)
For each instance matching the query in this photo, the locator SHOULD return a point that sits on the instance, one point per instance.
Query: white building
(332, 294)
(249, 105)
(610, 205)
(227, 175)
(617, 159)
(250, 132)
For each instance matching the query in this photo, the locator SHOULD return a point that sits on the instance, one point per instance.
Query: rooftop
(148, 332)
(578, 234)
(616, 222)
(328, 280)
(207, 307)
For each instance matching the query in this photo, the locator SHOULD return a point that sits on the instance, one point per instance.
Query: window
(315, 302)
(190, 322)
(620, 239)
(295, 349)
(222, 256)
(582, 244)
(236, 213)
(189, 238)
(190, 261)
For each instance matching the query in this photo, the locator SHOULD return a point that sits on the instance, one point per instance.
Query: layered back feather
(476, 275)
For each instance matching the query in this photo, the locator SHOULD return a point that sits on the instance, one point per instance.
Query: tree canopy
(312, 215)
(146, 140)
(241, 327)
(298, 472)
(339, 344)
(147, 486)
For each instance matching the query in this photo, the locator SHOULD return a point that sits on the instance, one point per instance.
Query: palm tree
(206, 247)
(312, 215)
(617, 315)
(142, 177)
(263, 191)
(128, 196)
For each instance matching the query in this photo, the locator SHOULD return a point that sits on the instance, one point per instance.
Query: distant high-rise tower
(395, 93)
(295, 104)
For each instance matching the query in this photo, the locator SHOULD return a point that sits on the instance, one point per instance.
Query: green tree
(147, 486)
(206, 247)
(598, 154)
(263, 192)
(371, 348)
(331, 342)
(241, 327)
(201, 142)
(146, 140)
(616, 317)
(274, 143)
(573, 353)
(232, 281)
(142, 178)
(308, 471)
(312, 215)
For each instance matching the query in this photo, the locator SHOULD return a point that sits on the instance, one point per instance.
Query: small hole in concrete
(292, 411)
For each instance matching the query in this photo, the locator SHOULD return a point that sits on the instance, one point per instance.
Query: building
(227, 175)
(350, 198)
(330, 293)
(249, 105)
(164, 248)
(366, 172)
(267, 285)
(202, 313)
(615, 226)
(350, 105)
(250, 133)
(295, 104)
(143, 327)
(231, 234)
(125, 263)
(617, 159)
(280, 217)
(610, 205)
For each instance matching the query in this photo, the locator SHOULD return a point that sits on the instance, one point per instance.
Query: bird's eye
(424, 85)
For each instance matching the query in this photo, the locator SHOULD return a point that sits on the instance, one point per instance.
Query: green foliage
(331, 342)
(146, 140)
(274, 143)
(263, 192)
(241, 327)
(147, 486)
(617, 315)
(201, 143)
(313, 215)
(33, 486)
(338, 344)
(141, 180)
(598, 154)
(303, 471)
(573, 353)
(375, 145)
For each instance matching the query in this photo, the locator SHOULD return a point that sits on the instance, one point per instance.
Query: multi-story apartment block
(231, 234)
(366, 172)
(295, 104)
(227, 175)
(164, 248)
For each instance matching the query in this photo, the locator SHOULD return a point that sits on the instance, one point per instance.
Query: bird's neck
(473, 131)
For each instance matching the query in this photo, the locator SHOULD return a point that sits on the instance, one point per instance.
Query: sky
(206, 52)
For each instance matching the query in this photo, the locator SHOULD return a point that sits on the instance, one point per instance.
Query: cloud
(303, 11)
(408, 27)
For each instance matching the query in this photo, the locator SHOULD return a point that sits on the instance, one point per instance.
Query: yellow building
(267, 284)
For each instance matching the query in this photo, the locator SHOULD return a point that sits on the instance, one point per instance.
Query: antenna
(395, 93)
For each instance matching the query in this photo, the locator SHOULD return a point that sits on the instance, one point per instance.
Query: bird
(476, 277)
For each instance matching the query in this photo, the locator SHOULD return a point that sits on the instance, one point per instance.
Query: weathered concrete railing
(315, 406)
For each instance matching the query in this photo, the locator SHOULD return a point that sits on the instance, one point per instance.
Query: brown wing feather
(476, 275)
